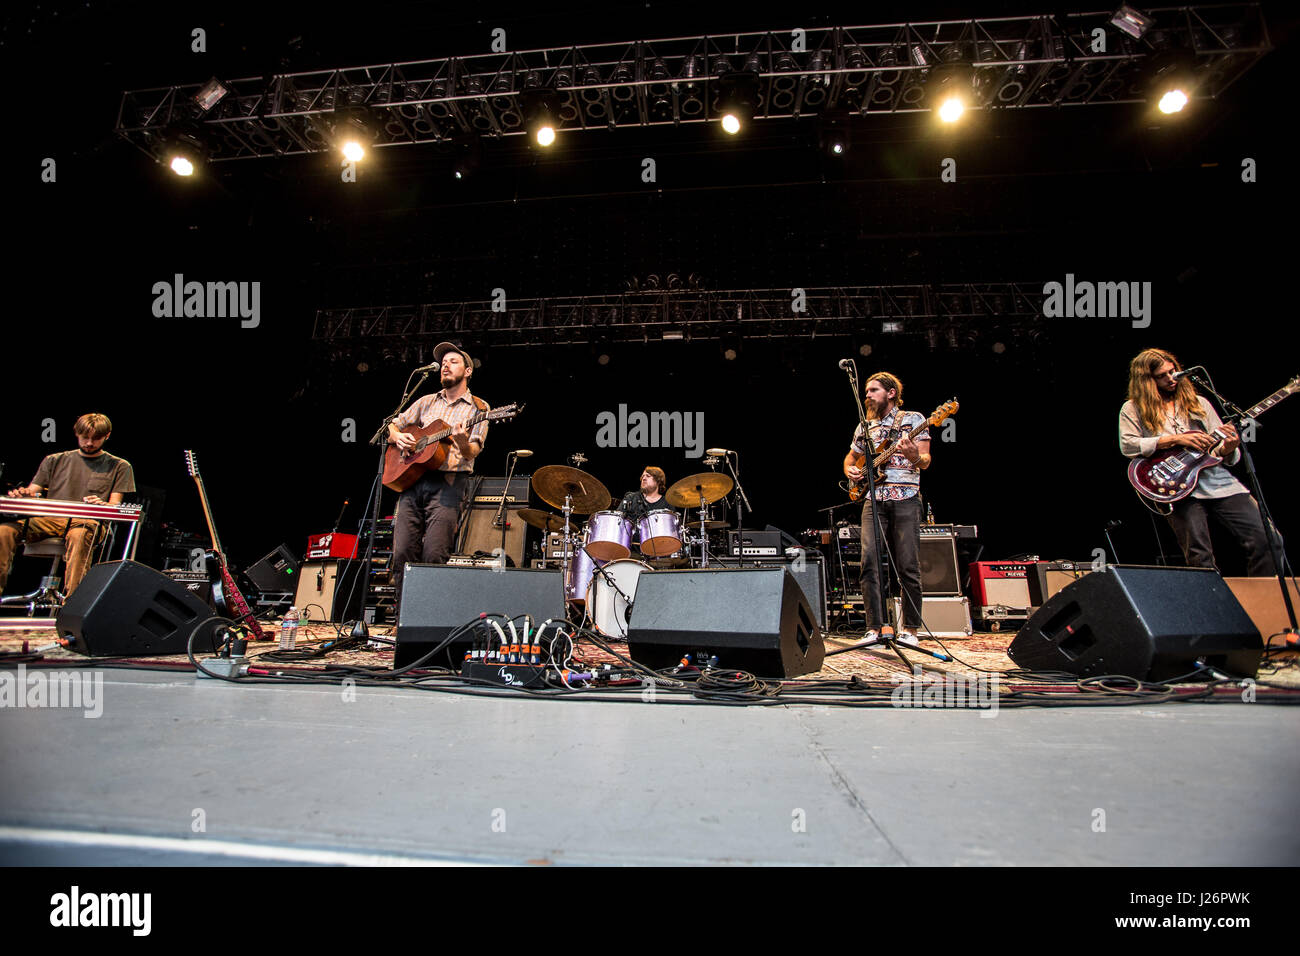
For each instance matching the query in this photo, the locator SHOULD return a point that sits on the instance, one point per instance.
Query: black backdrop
(1092, 191)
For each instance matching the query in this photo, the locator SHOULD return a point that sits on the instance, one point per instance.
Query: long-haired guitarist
(1163, 412)
(87, 474)
(896, 500)
(429, 510)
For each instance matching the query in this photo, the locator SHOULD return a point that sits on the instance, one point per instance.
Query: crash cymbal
(545, 520)
(686, 492)
(553, 482)
(708, 525)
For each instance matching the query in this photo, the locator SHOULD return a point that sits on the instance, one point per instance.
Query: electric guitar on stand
(1171, 475)
(225, 594)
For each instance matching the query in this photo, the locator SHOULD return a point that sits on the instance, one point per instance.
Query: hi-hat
(686, 492)
(587, 494)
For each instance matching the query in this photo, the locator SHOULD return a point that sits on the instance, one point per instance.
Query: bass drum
(607, 608)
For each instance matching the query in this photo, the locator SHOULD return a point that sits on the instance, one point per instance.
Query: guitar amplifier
(1001, 583)
(763, 544)
(1048, 577)
(943, 616)
(334, 588)
(322, 547)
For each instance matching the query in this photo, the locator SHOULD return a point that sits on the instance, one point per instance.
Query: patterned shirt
(430, 408)
(902, 478)
(1136, 439)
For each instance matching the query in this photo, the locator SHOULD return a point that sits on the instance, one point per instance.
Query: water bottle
(289, 630)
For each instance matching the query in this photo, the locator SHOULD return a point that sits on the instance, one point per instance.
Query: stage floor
(182, 771)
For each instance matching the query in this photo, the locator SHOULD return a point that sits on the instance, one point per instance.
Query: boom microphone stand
(886, 636)
(380, 439)
(1234, 413)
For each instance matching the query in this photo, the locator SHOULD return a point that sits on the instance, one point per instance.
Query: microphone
(430, 367)
(523, 453)
(1185, 372)
(717, 451)
(846, 364)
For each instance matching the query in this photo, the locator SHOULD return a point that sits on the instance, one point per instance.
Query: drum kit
(599, 572)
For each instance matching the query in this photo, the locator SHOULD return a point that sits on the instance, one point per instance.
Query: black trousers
(901, 522)
(424, 530)
(1239, 514)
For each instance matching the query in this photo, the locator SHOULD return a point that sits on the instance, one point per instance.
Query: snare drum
(581, 568)
(661, 534)
(606, 606)
(609, 536)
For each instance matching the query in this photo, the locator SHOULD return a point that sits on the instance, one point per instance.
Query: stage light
(864, 350)
(950, 109)
(184, 154)
(950, 92)
(729, 355)
(468, 156)
(1173, 101)
(891, 326)
(210, 94)
(1133, 22)
(181, 166)
(545, 135)
(352, 137)
(602, 358)
(738, 92)
(539, 107)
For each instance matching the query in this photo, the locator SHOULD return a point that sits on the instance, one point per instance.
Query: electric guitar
(225, 594)
(1171, 475)
(404, 468)
(885, 451)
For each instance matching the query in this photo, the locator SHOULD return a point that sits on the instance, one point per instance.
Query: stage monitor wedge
(437, 599)
(1148, 623)
(754, 619)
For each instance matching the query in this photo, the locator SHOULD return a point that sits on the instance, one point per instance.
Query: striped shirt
(902, 478)
(428, 409)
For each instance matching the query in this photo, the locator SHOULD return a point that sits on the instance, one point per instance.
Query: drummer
(637, 504)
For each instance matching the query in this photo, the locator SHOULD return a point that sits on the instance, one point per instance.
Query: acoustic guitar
(404, 468)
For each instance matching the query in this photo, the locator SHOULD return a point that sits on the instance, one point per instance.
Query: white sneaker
(871, 635)
(908, 639)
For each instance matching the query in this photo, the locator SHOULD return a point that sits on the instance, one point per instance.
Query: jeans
(901, 522)
(1238, 514)
(425, 526)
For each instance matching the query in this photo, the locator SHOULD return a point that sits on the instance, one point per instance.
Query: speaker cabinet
(811, 577)
(125, 609)
(437, 599)
(275, 573)
(753, 619)
(480, 535)
(939, 565)
(1143, 622)
(333, 590)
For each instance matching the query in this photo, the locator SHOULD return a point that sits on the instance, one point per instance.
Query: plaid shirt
(430, 408)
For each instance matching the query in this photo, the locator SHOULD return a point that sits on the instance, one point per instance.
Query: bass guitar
(885, 451)
(404, 468)
(1171, 475)
(225, 594)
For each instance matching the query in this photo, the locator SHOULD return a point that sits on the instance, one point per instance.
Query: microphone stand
(886, 636)
(1235, 413)
(500, 520)
(380, 438)
(742, 505)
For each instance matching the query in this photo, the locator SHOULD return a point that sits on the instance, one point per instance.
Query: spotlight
(210, 94)
(891, 326)
(468, 156)
(1133, 22)
(603, 358)
(352, 137)
(184, 154)
(950, 92)
(864, 350)
(729, 355)
(736, 100)
(833, 133)
(1173, 101)
(1173, 81)
(539, 115)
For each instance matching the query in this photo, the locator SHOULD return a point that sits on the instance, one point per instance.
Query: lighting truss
(646, 317)
(1018, 63)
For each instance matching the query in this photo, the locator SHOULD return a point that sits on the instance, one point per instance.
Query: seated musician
(87, 474)
(637, 504)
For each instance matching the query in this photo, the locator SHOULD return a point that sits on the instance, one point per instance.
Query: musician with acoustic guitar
(87, 474)
(1163, 412)
(896, 499)
(429, 509)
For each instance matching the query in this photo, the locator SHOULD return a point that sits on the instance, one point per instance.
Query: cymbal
(553, 482)
(686, 492)
(709, 525)
(545, 520)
